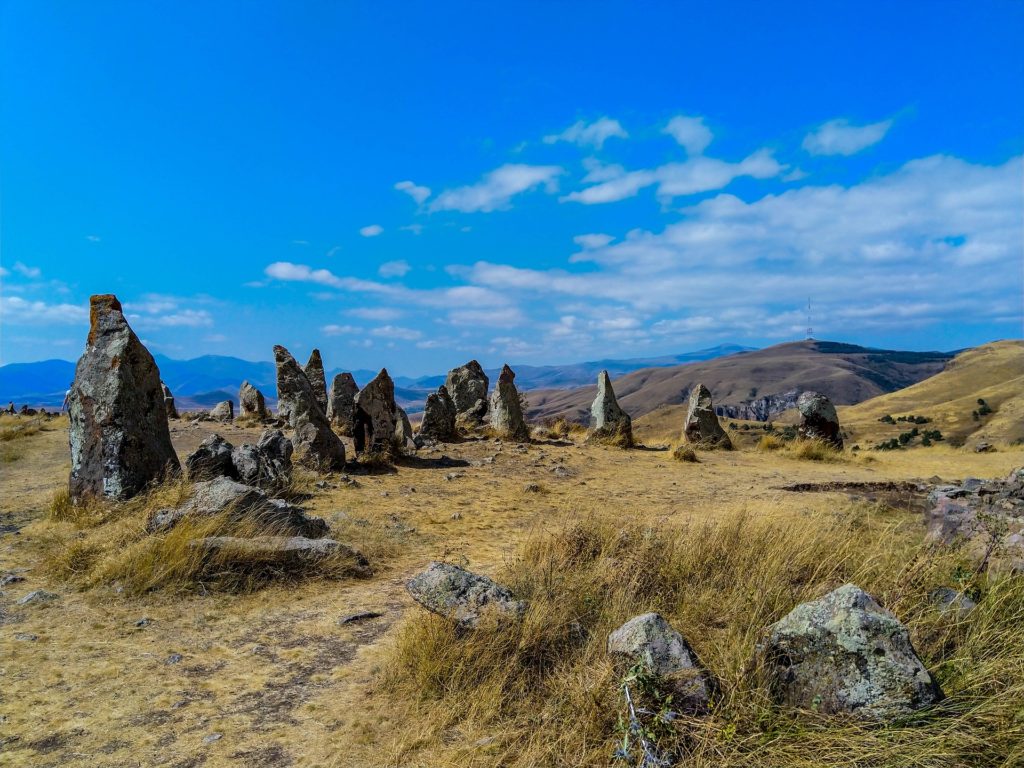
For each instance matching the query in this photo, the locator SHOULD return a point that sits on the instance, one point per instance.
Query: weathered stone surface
(375, 416)
(172, 411)
(818, 419)
(315, 443)
(701, 428)
(223, 411)
(948, 600)
(651, 640)
(268, 464)
(282, 551)
(341, 405)
(607, 420)
(845, 653)
(37, 596)
(314, 371)
(251, 402)
(506, 412)
(467, 385)
(461, 595)
(211, 459)
(439, 416)
(120, 441)
(404, 438)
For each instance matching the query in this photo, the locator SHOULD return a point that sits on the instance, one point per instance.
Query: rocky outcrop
(818, 419)
(506, 411)
(439, 416)
(277, 551)
(120, 441)
(650, 640)
(314, 370)
(251, 403)
(315, 443)
(375, 416)
(844, 653)
(608, 421)
(462, 596)
(341, 405)
(172, 411)
(701, 428)
(761, 409)
(467, 385)
(268, 464)
(223, 411)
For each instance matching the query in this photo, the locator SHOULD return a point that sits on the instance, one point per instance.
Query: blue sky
(547, 182)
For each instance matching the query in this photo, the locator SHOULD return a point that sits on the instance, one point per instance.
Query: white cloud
(398, 268)
(416, 229)
(4, 272)
(18, 311)
(591, 241)
(26, 271)
(593, 134)
(497, 188)
(371, 231)
(183, 318)
(381, 314)
(93, 238)
(415, 191)
(340, 330)
(396, 332)
(216, 338)
(494, 317)
(690, 133)
(840, 137)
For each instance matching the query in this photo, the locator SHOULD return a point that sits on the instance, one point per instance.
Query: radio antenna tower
(810, 330)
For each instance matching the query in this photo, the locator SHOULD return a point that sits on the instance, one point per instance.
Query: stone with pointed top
(251, 402)
(506, 409)
(314, 370)
(702, 428)
(375, 416)
(467, 385)
(315, 443)
(341, 405)
(608, 422)
(438, 416)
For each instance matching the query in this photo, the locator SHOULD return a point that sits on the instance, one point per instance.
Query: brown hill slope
(757, 384)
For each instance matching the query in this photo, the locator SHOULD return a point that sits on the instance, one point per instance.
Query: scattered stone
(531, 488)
(984, 447)
(10, 578)
(352, 618)
(561, 471)
(37, 596)
(608, 422)
(467, 385)
(845, 653)
(949, 600)
(120, 441)
(223, 411)
(315, 442)
(314, 370)
(702, 428)
(172, 411)
(375, 416)
(281, 551)
(462, 596)
(211, 459)
(453, 476)
(26, 637)
(506, 409)
(174, 658)
(650, 640)
(818, 419)
(456, 516)
(439, 416)
(143, 622)
(251, 402)
(212, 738)
(341, 405)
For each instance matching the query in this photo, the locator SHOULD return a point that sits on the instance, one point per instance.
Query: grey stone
(462, 596)
(120, 441)
(276, 550)
(439, 416)
(506, 411)
(468, 385)
(211, 459)
(949, 600)
(650, 640)
(315, 443)
(818, 419)
(341, 405)
(174, 658)
(37, 596)
(314, 370)
(172, 411)
(702, 428)
(210, 738)
(607, 420)
(352, 618)
(404, 438)
(375, 416)
(844, 653)
(268, 464)
(10, 578)
(251, 402)
(223, 411)
(26, 637)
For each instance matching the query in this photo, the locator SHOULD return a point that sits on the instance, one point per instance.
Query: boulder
(506, 411)
(251, 402)
(844, 653)
(701, 428)
(468, 385)
(650, 640)
(278, 551)
(315, 443)
(223, 411)
(172, 411)
(818, 419)
(375, 416)
(404, 438)
(341, 405)
(120, 441)
(314, 371)
(462, 596)
(607, 420)
(211, 459)
(268, 464)
(439, 416)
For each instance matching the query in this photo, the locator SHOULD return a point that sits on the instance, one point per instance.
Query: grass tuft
(685, 453)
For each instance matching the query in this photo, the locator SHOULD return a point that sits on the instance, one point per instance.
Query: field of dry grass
(198, 675)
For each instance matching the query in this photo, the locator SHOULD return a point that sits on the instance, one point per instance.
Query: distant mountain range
(204, 381)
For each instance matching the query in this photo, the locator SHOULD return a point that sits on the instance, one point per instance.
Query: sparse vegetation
(685, 453)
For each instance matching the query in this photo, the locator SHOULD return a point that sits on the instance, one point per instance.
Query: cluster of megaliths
(119, 410)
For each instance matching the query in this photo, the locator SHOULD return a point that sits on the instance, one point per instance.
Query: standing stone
(818, 419)
(702, 428)
(223, 411)
(375, 416)
(468, 385)
(314, 371)
(341, 405)
(506, 410)
(251, 402)
(315, 442)
(172, 411)
(846, 653)
(120, 441)
(439, 416)
(607, 420)
(404, 438)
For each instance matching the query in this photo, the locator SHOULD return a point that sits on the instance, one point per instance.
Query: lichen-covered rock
(439, 416)
(818, 419)
(462, 596)
(404, 438)
(341, 405)
(211, 459)
(702, 428)
(506, 411)
(608, 422)
(844, 653)
(468, 385)
(251, 402)
(314, 370)
(223, 411)
(172, 411)
(375, 416)
(315, 442)
(120, 441)
(278, 551)
(650, 640)
(268, 464)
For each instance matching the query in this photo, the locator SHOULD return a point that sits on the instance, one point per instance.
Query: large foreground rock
(461, 595)
(251, 402)
(818, 419)
(702, 428)
(845, 653)
(439, 416)
(314, 370)
(506, 411)
(607, 420)
(315, 443)
(468, 385)
(120, 441)
(650, 640)
(341, 405)
(375, 416)
(279, 551)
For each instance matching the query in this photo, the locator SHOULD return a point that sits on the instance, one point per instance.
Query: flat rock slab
(462, 596)
(277, 550)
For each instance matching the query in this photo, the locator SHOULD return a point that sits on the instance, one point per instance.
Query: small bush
(685, 453)
(770, 443)
(815, 450)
